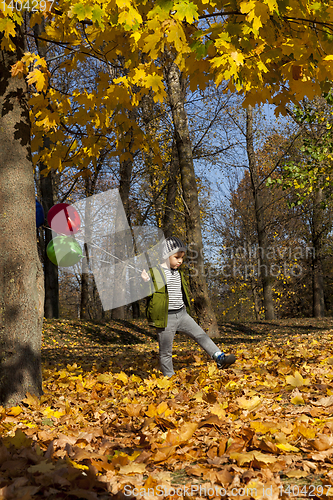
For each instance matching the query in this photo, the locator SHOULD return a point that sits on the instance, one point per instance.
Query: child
(168, 308)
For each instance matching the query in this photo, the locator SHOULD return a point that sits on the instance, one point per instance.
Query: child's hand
(145, 275)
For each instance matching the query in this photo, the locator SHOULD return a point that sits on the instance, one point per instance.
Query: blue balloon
(40, 217)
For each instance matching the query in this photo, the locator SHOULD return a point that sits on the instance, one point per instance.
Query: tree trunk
(126, 167)
(202, 303)
(255, 301)
(48, 199)
(51, 282)
(84, 299)
(85, 275)
(136, 310)
(318, 301)
(263, 261)
(169, 211)
(21, 283)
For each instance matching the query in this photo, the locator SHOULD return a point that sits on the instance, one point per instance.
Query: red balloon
(64, 219)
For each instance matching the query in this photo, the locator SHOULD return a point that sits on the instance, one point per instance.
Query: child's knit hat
(171, 246)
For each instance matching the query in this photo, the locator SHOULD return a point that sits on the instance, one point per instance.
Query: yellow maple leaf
(129, 17)
(152, 45)
(163, 383)
(198, 397)
(18, 69)
(123, 377)
(297, 380)
(246, 6)
(39, 78)
(305, 430)
(139, 75)
(237, 57)
(231, 385)
(122, 4)
(248, 456)
(7, 27)
(248, 404)
(264, 427)
(151, 412)
(287, 447)
(297, 400)
(163, 409)
(14, 411)
(47, 120)
(48, 412)
(155, 82)
(105, 378)
(31, 400)
(218, 410)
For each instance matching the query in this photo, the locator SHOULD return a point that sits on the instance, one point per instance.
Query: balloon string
(111, 255)
(102, 249)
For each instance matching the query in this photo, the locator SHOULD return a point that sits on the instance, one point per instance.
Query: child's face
(176, 260)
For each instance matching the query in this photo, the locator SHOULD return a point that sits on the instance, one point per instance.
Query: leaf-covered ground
(109, 425)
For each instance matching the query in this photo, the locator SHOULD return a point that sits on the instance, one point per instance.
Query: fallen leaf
(322, 442)
(43, 467)
(296, 473)
(133, 468)
(297, 380)
(287, 447)
(248, 457)
(326, 402)
(297, 400)
(248, 404)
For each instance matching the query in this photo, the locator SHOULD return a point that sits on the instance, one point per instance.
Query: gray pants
(183, 322)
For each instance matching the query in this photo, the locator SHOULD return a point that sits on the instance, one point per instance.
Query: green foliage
(311, 170)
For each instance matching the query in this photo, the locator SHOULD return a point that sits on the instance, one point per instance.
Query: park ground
(109, 425)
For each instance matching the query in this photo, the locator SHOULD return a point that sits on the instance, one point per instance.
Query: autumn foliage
(110, 423)
(268, 50)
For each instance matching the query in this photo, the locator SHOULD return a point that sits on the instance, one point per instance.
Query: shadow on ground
(121, 343)
(252, 332)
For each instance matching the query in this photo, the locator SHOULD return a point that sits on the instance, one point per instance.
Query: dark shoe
(224, 361)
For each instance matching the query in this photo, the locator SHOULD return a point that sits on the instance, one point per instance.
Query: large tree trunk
(21, 282)
(202, 303)
(318, 231)
(264, 262)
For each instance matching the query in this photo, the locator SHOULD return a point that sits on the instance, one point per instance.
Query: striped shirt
(174, 287)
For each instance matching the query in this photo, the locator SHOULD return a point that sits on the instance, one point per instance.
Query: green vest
(158, 301)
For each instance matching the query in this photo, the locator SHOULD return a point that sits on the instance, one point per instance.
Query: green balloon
(64, 251)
